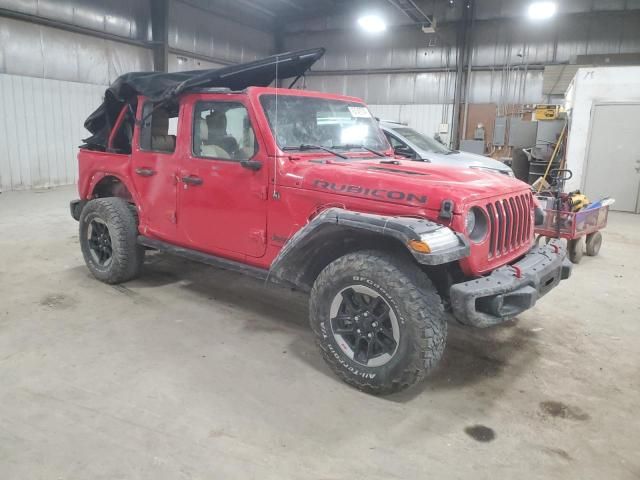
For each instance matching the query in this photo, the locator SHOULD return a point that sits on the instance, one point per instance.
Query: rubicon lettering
(381, 194)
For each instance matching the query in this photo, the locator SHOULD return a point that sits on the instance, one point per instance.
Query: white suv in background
(409, 143)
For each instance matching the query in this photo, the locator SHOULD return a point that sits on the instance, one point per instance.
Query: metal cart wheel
(576, 249)
(594, 242)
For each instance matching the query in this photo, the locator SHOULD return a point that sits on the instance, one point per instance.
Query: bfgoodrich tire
(108, 239)
(378, 321)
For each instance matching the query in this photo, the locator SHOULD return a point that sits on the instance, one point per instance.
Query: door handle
(145, 172)
(192, 180)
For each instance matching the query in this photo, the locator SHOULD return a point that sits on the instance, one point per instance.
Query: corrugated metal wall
(195, 30)
(51, 79)
(41, 128)
(46, 52)
(419, 88)
(502, 49)
(122, 18)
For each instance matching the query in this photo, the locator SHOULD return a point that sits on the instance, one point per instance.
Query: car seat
(217, 125)
(201, 147)
(160, 141)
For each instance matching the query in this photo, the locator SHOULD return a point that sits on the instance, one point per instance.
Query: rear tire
(594, 242)
(108, 239)
(378, 321)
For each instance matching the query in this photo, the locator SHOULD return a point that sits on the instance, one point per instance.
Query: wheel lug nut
(369, 335)
(374, 324)
(366, 314)
(358, 330)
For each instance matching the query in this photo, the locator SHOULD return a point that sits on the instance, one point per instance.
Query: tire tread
(420, 299)
(122, 220)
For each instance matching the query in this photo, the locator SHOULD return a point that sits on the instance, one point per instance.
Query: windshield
(422, 141)
(332, 124)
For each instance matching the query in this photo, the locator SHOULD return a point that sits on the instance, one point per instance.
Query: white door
(613, 155)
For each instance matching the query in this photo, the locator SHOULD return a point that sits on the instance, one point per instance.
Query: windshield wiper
(348, 147)
(306, 146)
(451, 152)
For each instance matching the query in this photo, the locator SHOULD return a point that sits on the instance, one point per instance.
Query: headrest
(217, 120)
(160, 122)
(203, 129)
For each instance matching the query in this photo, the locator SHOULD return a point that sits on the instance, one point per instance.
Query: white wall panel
(591, 85)
(425, 118)
(41, 127)
(386, 112)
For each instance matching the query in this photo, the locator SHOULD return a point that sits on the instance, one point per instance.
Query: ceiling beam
(413, 11)
(160, 34)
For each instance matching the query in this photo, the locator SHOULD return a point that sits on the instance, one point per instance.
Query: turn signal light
(419, 246)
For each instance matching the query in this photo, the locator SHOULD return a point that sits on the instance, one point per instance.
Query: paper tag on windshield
(360, 112)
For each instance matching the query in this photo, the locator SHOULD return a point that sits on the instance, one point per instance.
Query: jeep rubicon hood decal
(414, 184)
(163, 86)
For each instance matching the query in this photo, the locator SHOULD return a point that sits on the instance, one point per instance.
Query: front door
(154, 165)
(613, 158)
(222, 206)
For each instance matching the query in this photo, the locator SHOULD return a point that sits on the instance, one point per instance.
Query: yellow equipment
(578, 201)
(547, 112)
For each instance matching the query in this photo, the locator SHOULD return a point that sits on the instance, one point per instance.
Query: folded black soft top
(163, 86)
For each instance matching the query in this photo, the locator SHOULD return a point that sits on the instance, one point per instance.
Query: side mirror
(404, 152)
(251, 165)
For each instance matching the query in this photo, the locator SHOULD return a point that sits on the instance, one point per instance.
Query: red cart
(577, 227)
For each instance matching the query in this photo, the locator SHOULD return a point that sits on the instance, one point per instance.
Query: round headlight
(470, 222)
(476, 224)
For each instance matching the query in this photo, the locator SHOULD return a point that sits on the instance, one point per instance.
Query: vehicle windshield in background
(422, 141)
(331, 124)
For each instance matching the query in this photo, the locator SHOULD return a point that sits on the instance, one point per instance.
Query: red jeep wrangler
(301, 188)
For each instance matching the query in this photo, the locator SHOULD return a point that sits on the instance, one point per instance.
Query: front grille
(511, 224)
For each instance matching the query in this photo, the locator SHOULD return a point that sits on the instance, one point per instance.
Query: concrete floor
(197, 373)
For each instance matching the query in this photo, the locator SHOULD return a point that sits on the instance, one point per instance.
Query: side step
(197, 256)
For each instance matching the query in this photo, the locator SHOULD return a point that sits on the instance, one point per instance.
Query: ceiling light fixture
(542, 10)
(372, 24)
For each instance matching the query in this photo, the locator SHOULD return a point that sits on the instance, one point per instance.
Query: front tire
(378, 321)
(108, 239)
(576, 250)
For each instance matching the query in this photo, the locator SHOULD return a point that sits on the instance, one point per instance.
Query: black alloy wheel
(99, 241)
(364, 326)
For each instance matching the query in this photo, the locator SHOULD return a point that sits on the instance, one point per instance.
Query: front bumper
(510, 290)
(76, 207)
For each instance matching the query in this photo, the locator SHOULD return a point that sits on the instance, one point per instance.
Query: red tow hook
(516, 271)
(556, 248)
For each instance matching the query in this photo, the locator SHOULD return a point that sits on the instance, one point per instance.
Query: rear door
(222, 205)
(154, 169)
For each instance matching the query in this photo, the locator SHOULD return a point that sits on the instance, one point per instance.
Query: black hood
(163, 86)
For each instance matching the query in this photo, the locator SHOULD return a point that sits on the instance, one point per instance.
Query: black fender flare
(340, 227)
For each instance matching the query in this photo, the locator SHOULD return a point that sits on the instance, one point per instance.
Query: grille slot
(510, 223)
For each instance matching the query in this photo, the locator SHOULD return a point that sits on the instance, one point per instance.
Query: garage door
(613, 158)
